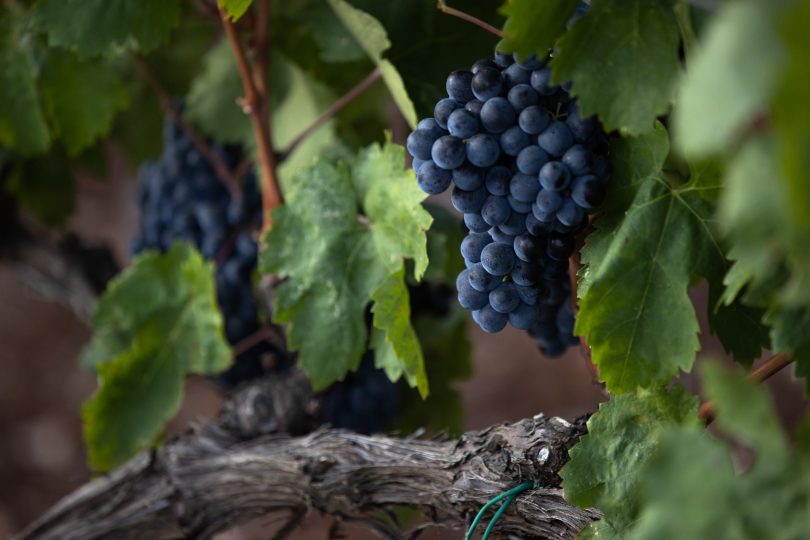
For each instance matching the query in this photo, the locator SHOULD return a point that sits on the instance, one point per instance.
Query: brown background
(41, 387)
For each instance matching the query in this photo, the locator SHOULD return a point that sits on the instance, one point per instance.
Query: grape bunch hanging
(526, 170)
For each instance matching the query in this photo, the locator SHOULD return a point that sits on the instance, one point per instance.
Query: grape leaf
(691, 490)
(790, 332)
(731, 77)
(22, 122)
(235, 8)
(95, 27)
(81, 98)
(607, 465)
(622, 60)
(371, 36)
(334, 40)
(156, 323)
(532, 26)
(347, 258)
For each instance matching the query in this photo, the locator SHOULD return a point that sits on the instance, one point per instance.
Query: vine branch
(763, 372)
(336, 107)
(442, 6)
(221, 170)
(254, 104)
(221, 474)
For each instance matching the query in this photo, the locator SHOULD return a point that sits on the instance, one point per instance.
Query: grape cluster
(526, 170)
(181, 198)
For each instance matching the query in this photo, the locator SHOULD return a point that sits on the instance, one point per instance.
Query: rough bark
(218, 475)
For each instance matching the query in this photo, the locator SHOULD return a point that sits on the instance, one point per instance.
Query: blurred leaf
(532, 27)
(790, 332)
(156, 323)
(372, 37)
(730, 77)
(235, 8)
(444, 246)
(95, 27)
(607, 465)
(622, 60)
(22, 122)
(332, 280)
(138, 130)
(81, 98)
(45, 187)
(334, 40)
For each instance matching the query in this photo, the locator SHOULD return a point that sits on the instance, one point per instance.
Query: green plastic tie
(510, 496)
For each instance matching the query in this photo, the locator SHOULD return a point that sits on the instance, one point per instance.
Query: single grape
(484, 63)
(548, 201)
(490, 320)
(525, 273)
(481, 280)
(495, 210)
(588, 191)
(504, 298)
(530, 159)
(578, 160)
(540, 80)
(458, 85)
(431, 126)
(448, 152)
(469, 298)
(475, 223)
(533, 120)
(462, 124)
(468, 177)
(473, 244)
(487, 83)
(433, 179)
(497, 115)
(524, 316)
(513, 140)
(514, 75)
(419, 143)
(519, 207)
(560, 246)
(556, 139)
(503, 59)
(474, 106)
(535, 226)
(522, 96)
(528, 248)
(554, 176)
(570, 214)
(444, 108)
(468, 201)
(544, 216)
(524, 187)
(498, 259)
(515, 225)
(482, 150)
(497, 180)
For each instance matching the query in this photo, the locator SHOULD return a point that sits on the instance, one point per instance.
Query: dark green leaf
(45, 187)
(156, 322)
(95, 27)
(790, 332)
(81, 98)
(622, 60)
(532, 26)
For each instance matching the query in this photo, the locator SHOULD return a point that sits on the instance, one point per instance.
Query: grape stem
(254, 104)
(336, 107)
(442, 6)
(221, 170)
(763, 372)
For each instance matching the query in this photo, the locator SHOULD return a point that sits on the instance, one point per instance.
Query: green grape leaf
(372, 37)
(22, 121)
(730, 79)
(533, 27)
(95, 27)
(790, 332)
(652, 241)
(138, 130)
(235, 8)
(348, 256)
(448, 359)
(622, 60)
(399, 352)
(607, 465)
(81, 98)
(44, 186)
(335, 42)
(690, 487)
(156, 323)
